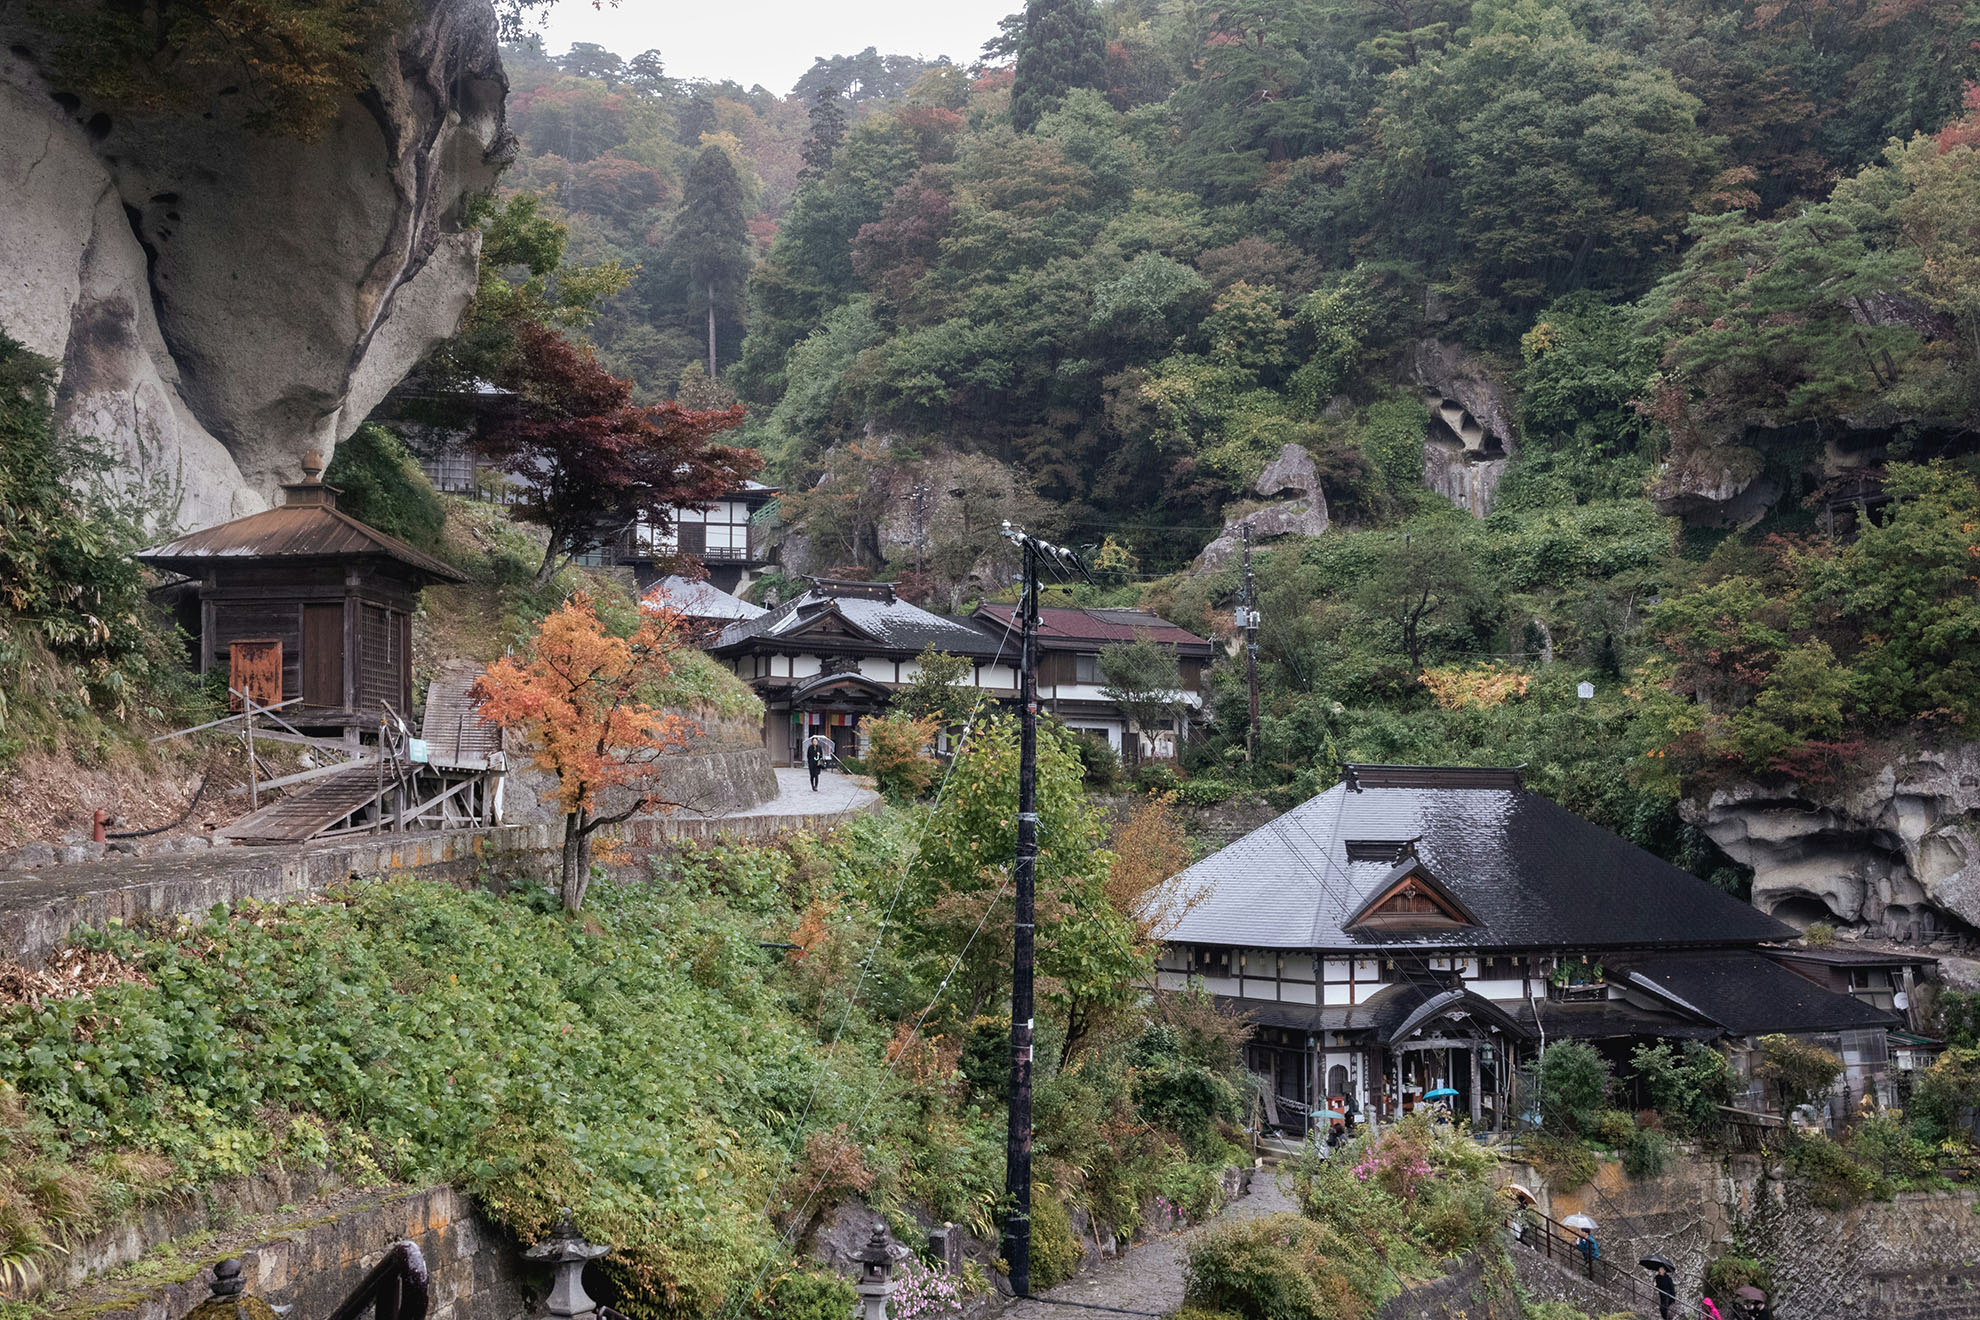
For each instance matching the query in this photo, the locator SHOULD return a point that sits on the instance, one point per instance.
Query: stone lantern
(876, 1276)
(569, 1253)
(230, 1299)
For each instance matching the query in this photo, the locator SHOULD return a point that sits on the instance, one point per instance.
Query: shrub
(1801, 1072)
(1834, 1179)
(1282, 1267)
(1727, 1274)
(1564, 1161)
(1156, 777)
(380, 484)
(1646, 1154)
(1686, 1086)
(1186, 1099)
(1205, 792)
(1884, 1143)
(1819, 935)
(1099, 762)
(1574, 1087)
(805, 1295)
(1612, 1127)
(1055, 1252)
(896, 755)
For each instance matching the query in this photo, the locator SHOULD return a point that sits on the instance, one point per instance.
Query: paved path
(836, 793)
(1149, 1277)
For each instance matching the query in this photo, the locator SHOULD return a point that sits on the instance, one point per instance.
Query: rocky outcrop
(1900, 854)
(1469, 440)
(1298, 508)
(220, 300)
(1715, 486)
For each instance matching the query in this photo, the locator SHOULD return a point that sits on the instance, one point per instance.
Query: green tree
(379, 482)
(1420, 579)
(1574, 1087)
(1063, 47)
(1143, 678)
(827, 131)
(711, 235)
(936, 691)
(1800, 1071)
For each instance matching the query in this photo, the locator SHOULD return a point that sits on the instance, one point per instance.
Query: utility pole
(1024, 875)
(1250, 622)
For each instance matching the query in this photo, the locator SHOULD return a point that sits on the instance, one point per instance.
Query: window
(1872, 985)
(1086, 669)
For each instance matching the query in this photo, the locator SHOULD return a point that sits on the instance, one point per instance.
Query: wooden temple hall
(304, 604)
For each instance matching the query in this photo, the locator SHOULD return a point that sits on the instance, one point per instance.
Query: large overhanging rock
(220, 301)
(1299, 508)
(1900, 852)
(1716, 485)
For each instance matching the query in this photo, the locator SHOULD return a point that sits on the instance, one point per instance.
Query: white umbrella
(1580, 1221)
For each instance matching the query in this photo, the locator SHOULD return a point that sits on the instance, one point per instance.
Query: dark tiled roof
(891, 625)
(1609, 1019)
(1847, 956)
(1751, 995)
(1535, 875)
(291, 531)
(1097, 627)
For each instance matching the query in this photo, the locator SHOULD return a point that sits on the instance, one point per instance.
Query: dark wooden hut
(312, 593)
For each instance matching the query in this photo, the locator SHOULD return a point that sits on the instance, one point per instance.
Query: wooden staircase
(311, 809)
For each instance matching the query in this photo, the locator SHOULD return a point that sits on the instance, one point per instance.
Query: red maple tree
(575, 695)
(590, 462)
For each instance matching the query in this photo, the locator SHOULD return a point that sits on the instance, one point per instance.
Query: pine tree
(828, 130)
(1063, 47)
(711, 234)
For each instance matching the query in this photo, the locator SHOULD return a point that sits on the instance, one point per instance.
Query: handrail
(1557, 1240)
(396, 1288)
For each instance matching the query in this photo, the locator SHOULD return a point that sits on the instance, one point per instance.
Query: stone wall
(1481, 1288)
(1880, 1260)
(314, 1260)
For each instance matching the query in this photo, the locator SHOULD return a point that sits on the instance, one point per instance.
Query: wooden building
(311, 593)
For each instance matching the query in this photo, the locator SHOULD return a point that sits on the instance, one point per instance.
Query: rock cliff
(1899, 854)
(220, 300)
(1469, 440)
(1298, 508)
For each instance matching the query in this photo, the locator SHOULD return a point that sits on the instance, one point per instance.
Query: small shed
(311, 592)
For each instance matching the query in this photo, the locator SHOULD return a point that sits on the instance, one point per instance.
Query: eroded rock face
(1299, 508)
(1468, 442)
(221, 301)
(1900, 854)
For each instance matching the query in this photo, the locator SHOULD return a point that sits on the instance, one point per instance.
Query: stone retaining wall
(38, 909)
(314, 1263)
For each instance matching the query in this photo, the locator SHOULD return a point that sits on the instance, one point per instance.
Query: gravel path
(835, 793)
(1148, 1278)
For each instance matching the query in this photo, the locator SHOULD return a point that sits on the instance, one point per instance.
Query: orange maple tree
(576, 694)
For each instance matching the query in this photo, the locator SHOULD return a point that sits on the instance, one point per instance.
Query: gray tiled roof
(894, 625)
(1750, 995)
(1535, 875)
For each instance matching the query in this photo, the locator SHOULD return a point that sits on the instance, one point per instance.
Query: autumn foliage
(1148, 847)
(575, 695)
(590, 461)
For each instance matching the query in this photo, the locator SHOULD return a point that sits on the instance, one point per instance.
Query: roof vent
(845, 589)
(1389, 851)
(1358, 777)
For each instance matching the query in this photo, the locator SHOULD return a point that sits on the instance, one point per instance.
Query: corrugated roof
(452, 727)
(700, 600)
(292, 531)
(1535, 875)
(890, 625)
(1060, 624)
(1751, 995)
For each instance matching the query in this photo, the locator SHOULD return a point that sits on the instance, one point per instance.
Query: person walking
(1667, 1292)
(1710, 1308)
(814, 760)
(1590, 1249)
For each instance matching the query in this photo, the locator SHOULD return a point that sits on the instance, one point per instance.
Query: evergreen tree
(1062, 48)
(828, 130)
(711, 234)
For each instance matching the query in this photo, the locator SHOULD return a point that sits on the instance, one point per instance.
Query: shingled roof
(292, 532)
(1536, 876)
(1749, 994)
(1064, 628)
(876, 617)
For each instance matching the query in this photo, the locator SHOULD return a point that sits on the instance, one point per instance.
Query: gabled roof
(1066, 629)
(292, 532)
(699, 600)
(1409, 878)
(1751, 995)
(1534, 875)
(891, 625)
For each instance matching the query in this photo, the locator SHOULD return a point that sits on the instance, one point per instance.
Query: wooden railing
(396, 1288)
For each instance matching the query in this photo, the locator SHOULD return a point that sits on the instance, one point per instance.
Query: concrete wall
(1905, 1259)
(313, 1264)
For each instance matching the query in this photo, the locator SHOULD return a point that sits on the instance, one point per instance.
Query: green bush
(1565, 1161)
(1098, 760)
(1205, 792)
(1055, 1252)
(1612, 1127)
(1574, 1087)
(380, 484)
(1834, 1179)
(1686, 1086)
(1646, 1154)
(806, 1295)
(1282, 1267)
(1187, 1099)
(1727, 1274)
(1155, 778)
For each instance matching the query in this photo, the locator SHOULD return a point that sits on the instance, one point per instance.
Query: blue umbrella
(1439, 1093)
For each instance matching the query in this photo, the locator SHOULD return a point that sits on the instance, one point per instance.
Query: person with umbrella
(1754, 1302)
(1666, 1280)
(1590, 1249)
(816, 748)
(1446, 1095)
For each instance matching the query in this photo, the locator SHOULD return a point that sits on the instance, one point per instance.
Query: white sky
(774, 41)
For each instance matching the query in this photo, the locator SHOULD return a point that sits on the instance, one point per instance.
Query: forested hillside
(1697, 271)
